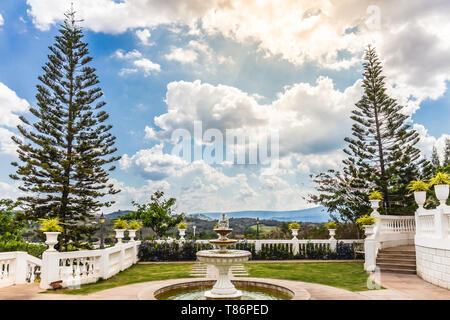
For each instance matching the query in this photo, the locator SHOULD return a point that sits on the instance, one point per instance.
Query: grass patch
(134, 274)
(262, 228)
(346, 275)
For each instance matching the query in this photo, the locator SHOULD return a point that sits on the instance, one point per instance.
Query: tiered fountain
(223, 259)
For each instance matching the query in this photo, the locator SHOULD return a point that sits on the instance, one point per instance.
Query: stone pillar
(21, 268)
(49, 269)
(257, 246)
(333, 244)
(369, 249)
(295, 246)
(104, 264)
(122, 258)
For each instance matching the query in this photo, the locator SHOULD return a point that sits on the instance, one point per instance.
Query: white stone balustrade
(432, 242)
(17, 268)
(87, 266)
(293, 245)
(388, 231)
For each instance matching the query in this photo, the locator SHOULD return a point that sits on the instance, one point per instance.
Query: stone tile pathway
(398, 287)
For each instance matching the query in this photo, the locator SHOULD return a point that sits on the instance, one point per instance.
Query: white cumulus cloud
(10, 106)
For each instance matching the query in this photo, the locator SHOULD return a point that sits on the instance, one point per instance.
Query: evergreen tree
(66, 154)
(446, 153)
(435, 159)
(383, 145)
(381, 153)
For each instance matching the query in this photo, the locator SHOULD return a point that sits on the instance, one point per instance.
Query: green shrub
(173, 251)
(331, 225)
(418, 185)
(294, 225)
(440, 178)
(50, 225)
(120, 224)
(376, 195)
(181, 225)
(33, 249)
(134, 225)
(365, 221)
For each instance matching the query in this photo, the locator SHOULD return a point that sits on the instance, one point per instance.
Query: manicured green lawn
(135, 274)
(346, 275)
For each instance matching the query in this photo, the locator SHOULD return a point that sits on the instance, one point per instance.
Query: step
(396, 266)
(395, 256)
(408, 252)
(395, 270)
(396, 260)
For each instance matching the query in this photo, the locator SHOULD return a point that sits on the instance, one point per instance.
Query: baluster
(33, 275)
(83, 268)
(72, 268)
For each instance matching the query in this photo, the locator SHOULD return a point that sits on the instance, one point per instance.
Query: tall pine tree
(66, 154)
(447, 153)
(435, 159)
(381, 152)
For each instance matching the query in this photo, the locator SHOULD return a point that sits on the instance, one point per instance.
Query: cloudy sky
(247, 65)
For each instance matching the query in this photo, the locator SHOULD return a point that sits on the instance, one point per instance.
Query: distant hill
(200, 216)
(317, 215)
(116, 214)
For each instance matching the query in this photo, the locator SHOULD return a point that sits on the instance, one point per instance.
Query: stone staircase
(199, 270)
(397, 259)
(238, 270)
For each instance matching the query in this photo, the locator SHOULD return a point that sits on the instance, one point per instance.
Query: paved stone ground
(398, 287)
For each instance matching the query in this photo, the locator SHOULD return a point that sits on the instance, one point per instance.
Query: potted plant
(441, 183)
(294, 226)
(331, 226)
(420, 188)
(119, 227)
(51, 228)
(367, 223)
(133, 226)
(182, 229)
(375, 198)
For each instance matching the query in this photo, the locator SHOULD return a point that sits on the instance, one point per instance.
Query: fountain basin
(223, 257)
(251, 290)
(223, 260)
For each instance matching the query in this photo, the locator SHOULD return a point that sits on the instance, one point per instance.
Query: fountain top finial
(223, 222)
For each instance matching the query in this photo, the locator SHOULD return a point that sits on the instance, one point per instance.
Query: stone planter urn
(294, 233)
(182, 233)
(420, 197)
(332, 233)
(119, 235)
(441, 191)
(52, 240)
(375, 204)
(132, 234)
(369, 229)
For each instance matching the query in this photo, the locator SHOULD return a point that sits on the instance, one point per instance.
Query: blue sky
(297, 69)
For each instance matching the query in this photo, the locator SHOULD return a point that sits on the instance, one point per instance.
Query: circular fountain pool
(250, 291)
